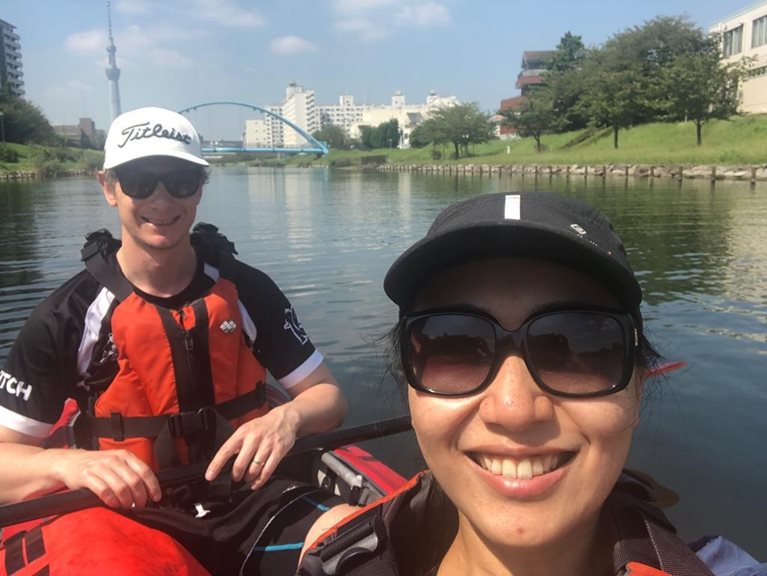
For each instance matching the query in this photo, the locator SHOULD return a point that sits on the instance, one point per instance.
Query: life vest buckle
(186, 423)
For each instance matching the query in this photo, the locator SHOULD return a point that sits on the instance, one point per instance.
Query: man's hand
(259, 445)
(118, 477)
(318, 405)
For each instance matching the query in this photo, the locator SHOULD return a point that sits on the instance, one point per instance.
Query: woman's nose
(513, 400)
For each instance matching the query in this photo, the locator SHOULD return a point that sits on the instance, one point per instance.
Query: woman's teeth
(519, 469)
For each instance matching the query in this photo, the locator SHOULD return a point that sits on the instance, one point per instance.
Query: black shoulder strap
(96, 252)
(209, 234)
(644, 533)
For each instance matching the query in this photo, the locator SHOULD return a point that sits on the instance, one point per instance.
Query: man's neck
(163, 273)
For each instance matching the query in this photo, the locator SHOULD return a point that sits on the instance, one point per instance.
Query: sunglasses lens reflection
(573, 353)
(179, 184)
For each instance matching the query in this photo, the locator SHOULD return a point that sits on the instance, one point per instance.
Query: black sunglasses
(573, 352)
(179, 183)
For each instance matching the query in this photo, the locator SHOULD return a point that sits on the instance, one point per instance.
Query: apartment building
(11, 74)
(299, 107)
(531, 73)
(744, 35)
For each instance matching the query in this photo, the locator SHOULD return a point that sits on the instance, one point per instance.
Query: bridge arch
(319, 147)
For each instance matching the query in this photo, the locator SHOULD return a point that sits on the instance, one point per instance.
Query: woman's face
(478, 446)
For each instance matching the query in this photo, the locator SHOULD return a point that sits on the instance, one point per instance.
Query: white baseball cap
(151, 131)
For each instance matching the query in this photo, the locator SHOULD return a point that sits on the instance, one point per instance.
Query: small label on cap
(511, 210)
(578, 229)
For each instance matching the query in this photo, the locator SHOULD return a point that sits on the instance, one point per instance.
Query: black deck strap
(14, 554)
(34, 544)
(96, 252)
(151, 426)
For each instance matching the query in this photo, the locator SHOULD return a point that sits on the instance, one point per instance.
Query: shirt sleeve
(281, 344)
(726, 558)
(41, 369)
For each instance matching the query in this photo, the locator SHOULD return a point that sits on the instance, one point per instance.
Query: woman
(520, 337)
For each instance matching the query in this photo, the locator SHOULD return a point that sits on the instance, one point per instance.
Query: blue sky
(177, 53)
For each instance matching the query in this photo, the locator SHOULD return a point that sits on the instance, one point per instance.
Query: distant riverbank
(754, 173)
(734, 149)
(731, 149)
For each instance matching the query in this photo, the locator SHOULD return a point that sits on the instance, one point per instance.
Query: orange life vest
(186, 376)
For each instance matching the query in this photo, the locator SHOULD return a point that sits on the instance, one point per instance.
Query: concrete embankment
(33, 175)
(752, 173)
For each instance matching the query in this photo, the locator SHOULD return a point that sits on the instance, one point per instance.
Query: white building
(350, 117)
(346, 114)
(299, 107)
(744, 34)
(257, 134)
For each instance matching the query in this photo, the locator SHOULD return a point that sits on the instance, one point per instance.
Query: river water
(328, 237)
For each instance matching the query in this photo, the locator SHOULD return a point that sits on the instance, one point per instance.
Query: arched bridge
(313, 146)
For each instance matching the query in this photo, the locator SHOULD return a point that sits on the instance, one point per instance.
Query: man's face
(156, 199)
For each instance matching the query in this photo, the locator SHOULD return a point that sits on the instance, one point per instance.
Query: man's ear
(106, 188)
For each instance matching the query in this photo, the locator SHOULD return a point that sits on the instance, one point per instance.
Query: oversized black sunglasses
(573, 352)
(179, 183)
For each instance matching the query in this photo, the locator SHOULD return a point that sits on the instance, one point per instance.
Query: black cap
(537, 225)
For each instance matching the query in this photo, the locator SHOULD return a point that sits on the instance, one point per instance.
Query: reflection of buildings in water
(744, 269)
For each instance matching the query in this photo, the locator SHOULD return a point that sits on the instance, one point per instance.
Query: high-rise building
(11, 75)
(113, 72)
(298, 107)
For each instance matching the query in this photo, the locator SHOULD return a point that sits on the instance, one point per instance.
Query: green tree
(24, 123)
(386, 135)
(611, 100)
(460, 125)
(566, 82)
(534, 117)
(334, 136)
(643, 52)
(701, 87)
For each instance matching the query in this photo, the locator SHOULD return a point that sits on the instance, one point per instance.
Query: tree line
(666, 70)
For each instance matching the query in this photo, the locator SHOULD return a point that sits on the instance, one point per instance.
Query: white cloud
(422, 15)
(373, 20)
(364, 29)
(356, 6)
(291, 45)
(227, 13)
(87, 42)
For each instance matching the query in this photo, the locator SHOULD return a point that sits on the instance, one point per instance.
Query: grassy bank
(43, 161)
(741, 140)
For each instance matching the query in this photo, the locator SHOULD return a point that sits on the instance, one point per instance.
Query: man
(164, 341)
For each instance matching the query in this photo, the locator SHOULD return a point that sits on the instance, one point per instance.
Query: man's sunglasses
(179, 183)
(573, 353)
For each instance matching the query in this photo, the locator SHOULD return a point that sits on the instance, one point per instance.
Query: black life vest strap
(118, 427)
(99, 246)
(644, 534)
